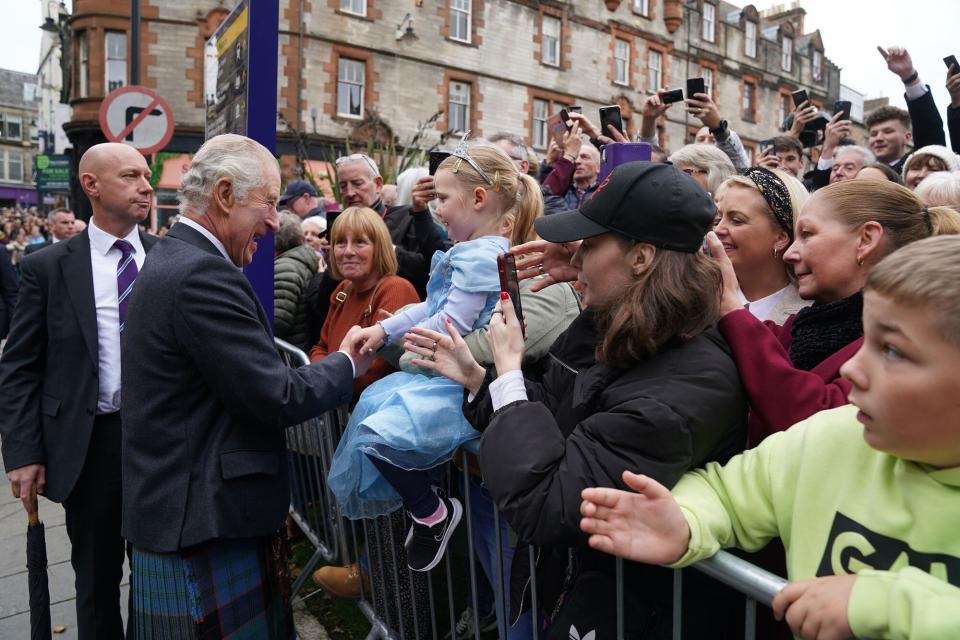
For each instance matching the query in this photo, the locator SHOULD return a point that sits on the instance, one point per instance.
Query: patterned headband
(775, 192)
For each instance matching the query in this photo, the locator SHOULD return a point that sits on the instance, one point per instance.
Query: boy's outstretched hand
(816, 609)
(646, 526)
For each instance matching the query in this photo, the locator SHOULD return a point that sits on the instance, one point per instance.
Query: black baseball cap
(297, 188)
(646, 201)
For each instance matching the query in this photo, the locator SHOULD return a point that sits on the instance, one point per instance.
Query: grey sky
(851, 31)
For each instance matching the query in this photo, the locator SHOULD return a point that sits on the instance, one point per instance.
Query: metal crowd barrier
(401, 604)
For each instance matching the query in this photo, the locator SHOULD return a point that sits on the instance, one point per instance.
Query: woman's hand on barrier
(646, 526)
(448, 355)
(505, 336)
(816, 609)
(352, 346)
(549, 259)
(730, 296)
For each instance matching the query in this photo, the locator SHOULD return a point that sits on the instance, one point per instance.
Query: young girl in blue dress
(407, 423)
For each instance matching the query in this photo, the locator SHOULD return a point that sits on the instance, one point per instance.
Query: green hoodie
(840, 508)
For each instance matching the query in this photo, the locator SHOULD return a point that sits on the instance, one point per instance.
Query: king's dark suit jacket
(49, 371)
(206, 398)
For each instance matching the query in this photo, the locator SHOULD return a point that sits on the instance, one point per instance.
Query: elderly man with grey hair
(206, 402)
(416, 237)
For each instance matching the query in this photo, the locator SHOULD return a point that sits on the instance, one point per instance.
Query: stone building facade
(489, 65)
(18, 137)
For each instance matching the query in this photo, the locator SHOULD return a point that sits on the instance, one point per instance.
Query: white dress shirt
(104, 258)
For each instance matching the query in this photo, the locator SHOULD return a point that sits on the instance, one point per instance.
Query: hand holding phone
(507, 268)
(672, 96)
(799, 97)
(952, 65)
(695, 86)
(610, 115)
(842, 106)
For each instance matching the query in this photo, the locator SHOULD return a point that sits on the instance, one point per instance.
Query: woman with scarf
(792, 371)
(755, 214)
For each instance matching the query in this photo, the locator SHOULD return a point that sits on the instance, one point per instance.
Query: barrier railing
(403, 604)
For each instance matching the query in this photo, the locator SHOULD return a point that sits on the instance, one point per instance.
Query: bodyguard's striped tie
(126, 274)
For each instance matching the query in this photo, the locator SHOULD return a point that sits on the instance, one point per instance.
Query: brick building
(18, 137)
(489, 65)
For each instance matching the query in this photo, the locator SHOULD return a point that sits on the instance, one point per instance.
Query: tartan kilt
(235, 589)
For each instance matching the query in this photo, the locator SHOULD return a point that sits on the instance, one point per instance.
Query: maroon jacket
(781, 395)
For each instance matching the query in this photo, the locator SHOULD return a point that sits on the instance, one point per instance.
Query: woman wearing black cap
(639, 381)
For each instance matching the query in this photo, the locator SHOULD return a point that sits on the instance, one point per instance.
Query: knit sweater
(392, 293)
(840, 507)
(292, 271)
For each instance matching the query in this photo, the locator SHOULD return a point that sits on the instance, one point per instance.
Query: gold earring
(775, 252)
(859, 261)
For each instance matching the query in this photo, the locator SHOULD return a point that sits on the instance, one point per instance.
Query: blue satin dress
(410, 420)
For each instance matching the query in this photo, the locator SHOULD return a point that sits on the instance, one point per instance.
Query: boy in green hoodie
(865, 497)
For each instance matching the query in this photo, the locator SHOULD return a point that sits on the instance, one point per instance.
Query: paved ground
(14, 607)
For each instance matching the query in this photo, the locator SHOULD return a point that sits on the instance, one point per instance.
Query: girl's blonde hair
(901, 213)
(518, 195)
(365, 223)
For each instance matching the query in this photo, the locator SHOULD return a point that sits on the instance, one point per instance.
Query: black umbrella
(37, 571)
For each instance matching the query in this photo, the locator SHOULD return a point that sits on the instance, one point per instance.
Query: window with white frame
(13, 166)
(115, 69)
(786, 54)
(540, 113)
(460, 20)
(350, 79)
(550, 39)
(817, 65)
(621, 61)
(356, 7)
(707, 74)
(458, 107)
(750, 39)
(642, 7)
(709, 22)
(654, 70)
(83, 64)
(11, 126)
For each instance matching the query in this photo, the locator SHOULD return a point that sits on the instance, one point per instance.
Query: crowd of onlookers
(674, 315)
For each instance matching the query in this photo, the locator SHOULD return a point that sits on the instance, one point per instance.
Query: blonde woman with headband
(755, 214)
(408, 423)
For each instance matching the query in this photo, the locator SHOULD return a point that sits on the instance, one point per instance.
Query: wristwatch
(720, 132)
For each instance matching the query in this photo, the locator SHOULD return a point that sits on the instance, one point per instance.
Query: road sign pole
(134, 41)
(262, 42)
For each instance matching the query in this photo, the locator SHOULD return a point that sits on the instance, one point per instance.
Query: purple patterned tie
(126, 274)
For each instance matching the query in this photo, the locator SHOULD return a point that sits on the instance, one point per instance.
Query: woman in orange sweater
(363, 259)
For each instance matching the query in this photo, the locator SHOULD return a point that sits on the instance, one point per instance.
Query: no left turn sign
(138, 117)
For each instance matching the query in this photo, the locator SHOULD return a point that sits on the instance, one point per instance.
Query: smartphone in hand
(842, 106)
(610, 115)
(507, 267)
(695, 86)
(951, 62)
(436, 157)
(674, 95)
(799, 97)
(767, 148)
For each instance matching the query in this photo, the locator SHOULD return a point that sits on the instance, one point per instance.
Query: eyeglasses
(692, 172)
(356, 157)
(461, 153)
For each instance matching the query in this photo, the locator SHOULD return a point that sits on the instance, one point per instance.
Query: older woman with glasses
(705, 163)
